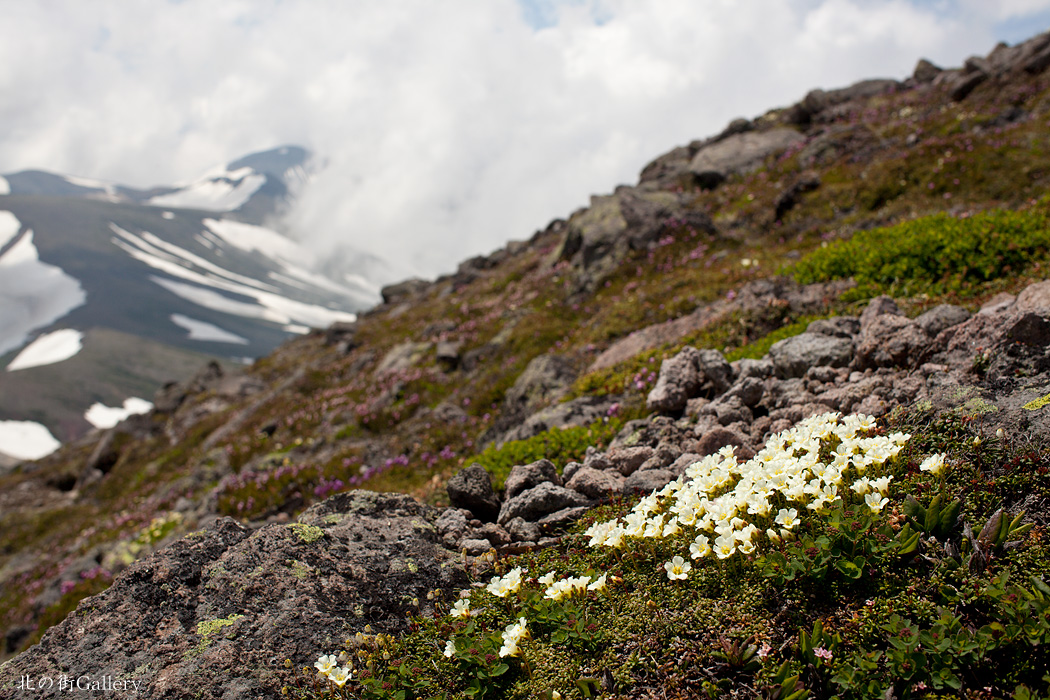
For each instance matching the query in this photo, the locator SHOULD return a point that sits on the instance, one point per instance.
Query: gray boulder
(545, 378)
(837, 326)
(216, 613)
(471, 488)
(678, 381)
(595, 484)
(524, 476)
(891, 341)
(539, 501)
(792, 357)
(648, 480)
(627, 460)
(940, 317)
(740, 153)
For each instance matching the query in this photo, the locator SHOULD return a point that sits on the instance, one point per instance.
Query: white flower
(787, 518)
(450, 648)
(598, 584)
(678, 568)
(882, 483)
(933, 464)
(461, 608)
(875, 501)
(547, 579)
(339, 676)
(725, 546)
(861, 485)
(326, 663)
(700, 547)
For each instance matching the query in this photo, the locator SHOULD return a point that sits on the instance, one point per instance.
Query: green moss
(306, 533)
(206, 629)
(1036, 404)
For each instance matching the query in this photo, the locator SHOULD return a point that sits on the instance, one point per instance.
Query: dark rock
(342, 334)
(452, 525)
(1027, 328)
(525, 476)
(678, 381)
(940, 317)
(217, 612)
(595, 484)
(402, 291)
(960, 87)
(737, 126)
(539, 501)
(522, 530)
(891, 341)
(471, 488)
(648, 481)
(544, 379)
(447, 353)
(475, 546)
(837, 326)
(730, 409)
(925, 71)
(878, 306)
(494, 534)
(570, 469)
(716, 372)
(714, 440)
(748, 389)
(789, 198)
(562, 518)
(759, 369)
(792, 357)
(741, 152)
(627, 460)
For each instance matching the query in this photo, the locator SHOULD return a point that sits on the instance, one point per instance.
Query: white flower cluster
(722, 498)
(514, 633)
(328, 666)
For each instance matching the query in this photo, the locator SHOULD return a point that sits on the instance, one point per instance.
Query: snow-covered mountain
(108, 291)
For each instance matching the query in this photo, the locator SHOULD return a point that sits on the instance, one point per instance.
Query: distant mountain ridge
(186, 273)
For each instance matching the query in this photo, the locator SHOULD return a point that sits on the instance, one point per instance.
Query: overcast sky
(448, 127)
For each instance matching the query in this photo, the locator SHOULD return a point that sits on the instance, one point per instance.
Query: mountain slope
(207, 281)
(570, 329)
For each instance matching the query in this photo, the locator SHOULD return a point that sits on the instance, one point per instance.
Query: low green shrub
(934, 254)
(559, 445)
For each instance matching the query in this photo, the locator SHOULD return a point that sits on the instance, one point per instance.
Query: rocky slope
(649, 327)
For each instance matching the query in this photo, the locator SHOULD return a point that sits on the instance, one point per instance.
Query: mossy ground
(926, 623)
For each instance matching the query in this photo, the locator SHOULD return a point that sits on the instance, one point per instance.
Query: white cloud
(448, 127)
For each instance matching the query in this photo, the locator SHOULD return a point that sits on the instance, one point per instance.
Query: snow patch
(167, 215)
(5, 186)
(102, 416)
(202, 330)
(225, 191)
(9, 227)
(250, 238)
(26, 440)
(48, 349)
(33, 294)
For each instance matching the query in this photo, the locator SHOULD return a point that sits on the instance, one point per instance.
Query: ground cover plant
(840, 561)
